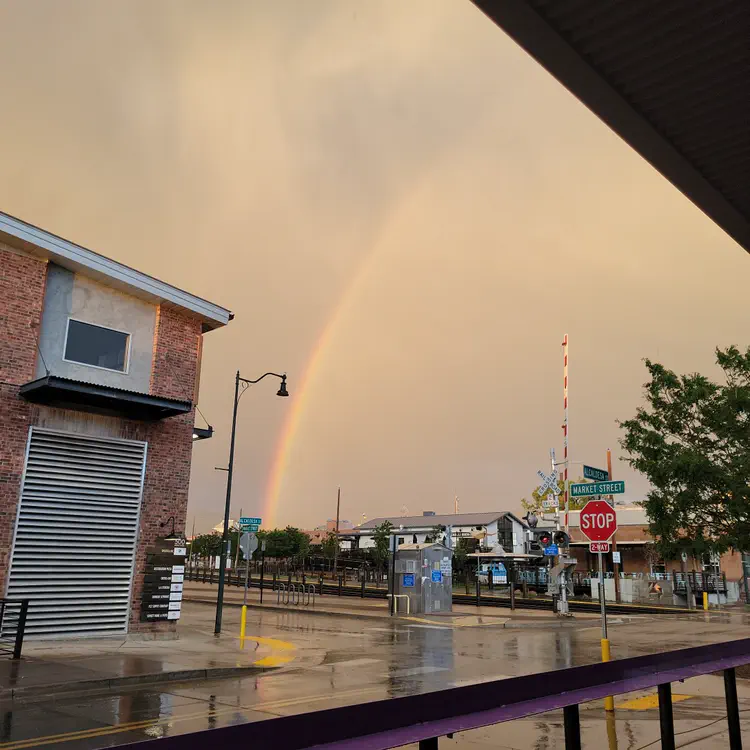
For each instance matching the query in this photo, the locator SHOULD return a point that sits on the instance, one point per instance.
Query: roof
(448, 519)
(78, 259)
(670, 78)
(423, 545)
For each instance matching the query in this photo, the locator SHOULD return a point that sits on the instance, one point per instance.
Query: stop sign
(598, 521)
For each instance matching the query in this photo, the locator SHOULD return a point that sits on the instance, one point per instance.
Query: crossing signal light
(562, 539)
(545, 538)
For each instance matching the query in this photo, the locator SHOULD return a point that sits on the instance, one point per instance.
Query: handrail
(377, 725)
(401, 596)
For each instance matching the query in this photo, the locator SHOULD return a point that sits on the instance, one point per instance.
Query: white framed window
(96, 346)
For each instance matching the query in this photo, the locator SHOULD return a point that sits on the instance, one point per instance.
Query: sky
(404, 212)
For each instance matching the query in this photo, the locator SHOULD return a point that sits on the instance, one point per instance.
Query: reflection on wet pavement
(342, 661)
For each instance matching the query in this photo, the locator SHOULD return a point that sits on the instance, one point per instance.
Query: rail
(13, 613)
(295, 594)
(424, 718)
(401, 596)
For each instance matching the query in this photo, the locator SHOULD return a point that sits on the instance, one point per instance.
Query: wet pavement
(333, 661)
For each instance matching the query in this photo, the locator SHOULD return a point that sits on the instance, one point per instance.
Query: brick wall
(170, 444)
(176, 348)
(22, 280)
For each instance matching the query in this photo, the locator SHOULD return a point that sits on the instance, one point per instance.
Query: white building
(490, 529)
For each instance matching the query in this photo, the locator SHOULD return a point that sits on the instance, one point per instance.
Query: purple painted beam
(398, 721)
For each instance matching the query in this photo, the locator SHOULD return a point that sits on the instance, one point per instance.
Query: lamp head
(282, 389)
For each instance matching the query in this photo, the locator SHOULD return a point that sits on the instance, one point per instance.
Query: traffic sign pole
(614, 536)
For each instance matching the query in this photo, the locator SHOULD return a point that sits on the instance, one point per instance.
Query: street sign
(597, 488)
(249, 527)
(246, 520)
(551, 551)
(550, 503)
(549, 483)
(616, 557)
(408, 580)
(599, 547)
(598, 475)
(437, 576)
(598, 520)
(248, 544)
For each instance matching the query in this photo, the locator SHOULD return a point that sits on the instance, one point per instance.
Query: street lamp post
(230, 470)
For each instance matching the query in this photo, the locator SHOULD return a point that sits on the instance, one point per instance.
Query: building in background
(488, 529)
(99, 375)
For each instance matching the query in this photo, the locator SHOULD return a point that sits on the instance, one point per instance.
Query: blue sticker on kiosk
(437, 576)
(408, 580)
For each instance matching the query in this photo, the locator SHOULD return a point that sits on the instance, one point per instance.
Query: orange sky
(394, 179)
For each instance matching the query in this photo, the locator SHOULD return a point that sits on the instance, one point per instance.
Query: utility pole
(614, 537)
(336, 548)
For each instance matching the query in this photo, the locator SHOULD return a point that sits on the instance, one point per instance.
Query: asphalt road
(332, 661)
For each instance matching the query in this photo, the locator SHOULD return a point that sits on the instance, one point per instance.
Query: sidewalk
(115, 661)
(377, 609)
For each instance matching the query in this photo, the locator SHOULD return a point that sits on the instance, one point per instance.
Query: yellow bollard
(243, 623)
(609, 701)
(705, 600)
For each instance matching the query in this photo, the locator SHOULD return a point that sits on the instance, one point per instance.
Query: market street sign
(249, 527)
(586, 489)
(598, 475)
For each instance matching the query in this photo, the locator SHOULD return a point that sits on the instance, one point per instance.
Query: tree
(382, 539)
(436, 535)
(206, 545)
(535, 504)
(692, 442)
(284, 543)
(330, 545)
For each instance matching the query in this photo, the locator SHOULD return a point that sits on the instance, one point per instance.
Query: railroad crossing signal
(549, 484)
(598, 521)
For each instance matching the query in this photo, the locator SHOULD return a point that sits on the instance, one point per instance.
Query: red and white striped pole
(565, 428)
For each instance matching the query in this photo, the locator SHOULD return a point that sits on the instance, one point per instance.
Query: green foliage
(692, 442)
(382, 539)
(329, 545)
(535, 504)
(283, 543)
(206, 545)
(436, 535)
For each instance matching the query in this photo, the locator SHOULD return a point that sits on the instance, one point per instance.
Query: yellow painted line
(429, 622)
(281, 651)
(53, 739)
(647, 702)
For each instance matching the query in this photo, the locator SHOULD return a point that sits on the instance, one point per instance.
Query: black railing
(13, 614)
(338, 587)
(424, 718)
(711, 583)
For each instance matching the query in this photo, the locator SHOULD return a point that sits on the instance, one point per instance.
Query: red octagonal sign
(598, 521)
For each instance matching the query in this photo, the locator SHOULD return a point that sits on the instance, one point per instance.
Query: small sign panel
(247, 519)
(599, 547)
(598, 475)
(408, 580)
(551, 551)
(445, 566)
(437, 576)
(616, 557)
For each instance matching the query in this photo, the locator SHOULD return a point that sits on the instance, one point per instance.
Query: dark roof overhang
(52, 390)
(671, 78)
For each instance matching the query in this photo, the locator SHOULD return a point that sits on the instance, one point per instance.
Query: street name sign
(593, 489)
(598, 521)
(247, 519)
(599, 547)
(598, 475)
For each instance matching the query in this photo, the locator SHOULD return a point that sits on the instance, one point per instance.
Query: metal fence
(425, 718)
(700, 582)
(13, 614)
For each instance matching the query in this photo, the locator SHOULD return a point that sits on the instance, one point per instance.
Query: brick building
(99, 374)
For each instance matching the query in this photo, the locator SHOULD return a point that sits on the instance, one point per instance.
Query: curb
(178, 675)
(301, 610)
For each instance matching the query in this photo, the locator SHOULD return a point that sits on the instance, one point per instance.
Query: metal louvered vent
(76, 533)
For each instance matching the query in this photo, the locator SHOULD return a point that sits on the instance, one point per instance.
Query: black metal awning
(671, 78)
(99, 399)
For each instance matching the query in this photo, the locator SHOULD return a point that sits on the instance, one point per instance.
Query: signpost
(598, 475)
(549, 483)
(598, 524)
(592, 489)
(248, 545)
(163, 581)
